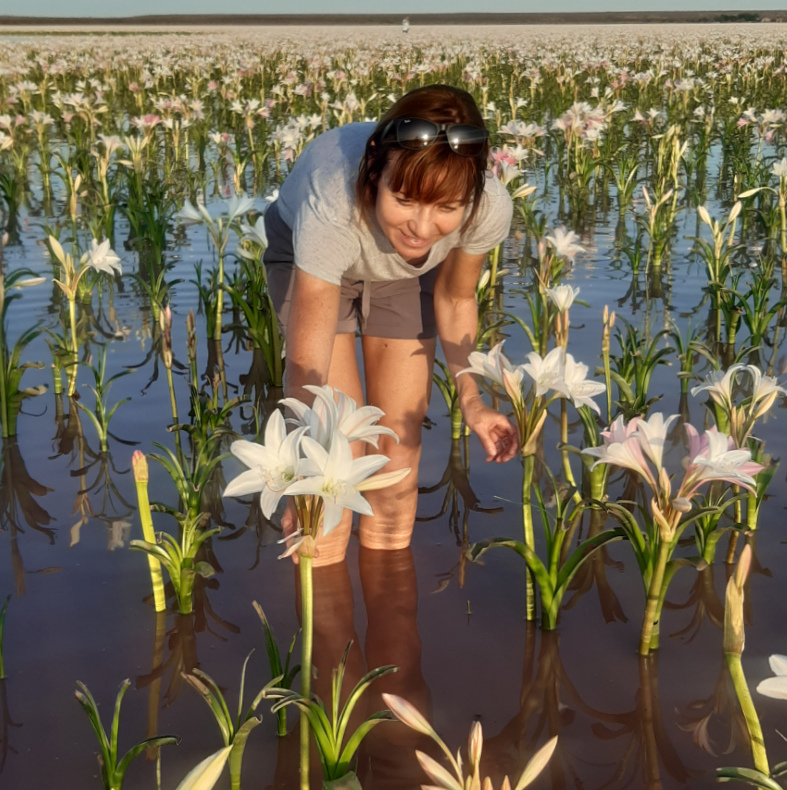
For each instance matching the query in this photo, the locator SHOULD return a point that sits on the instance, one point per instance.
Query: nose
(420, 221)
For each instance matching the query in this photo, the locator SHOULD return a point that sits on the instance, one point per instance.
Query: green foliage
(179, 557)
(113, 770)
(329, 729)
(283, 673)
(102, 413)
(234, 731)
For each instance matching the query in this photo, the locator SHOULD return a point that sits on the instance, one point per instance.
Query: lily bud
(705, 216)
(475, 744)
(165, 322)
(139, 464)
(734, 636)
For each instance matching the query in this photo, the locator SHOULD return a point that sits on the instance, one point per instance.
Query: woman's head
(432, 174)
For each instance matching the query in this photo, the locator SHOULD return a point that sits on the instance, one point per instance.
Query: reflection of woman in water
(386, 760)
(387, 226)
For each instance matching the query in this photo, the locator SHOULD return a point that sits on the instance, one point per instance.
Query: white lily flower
(328, 415)
(719, 384)
(574, 385)
(189, 215)
(273, 465)
(765, 390)
(780, 168)
(338, 478)
(564, 243)
(239, 205)
(775, 687)
(101, 258)
(548, 373)
(495, 366)
(256, 232)
(563, 296)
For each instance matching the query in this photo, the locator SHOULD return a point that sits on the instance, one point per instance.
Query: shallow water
(80, 610)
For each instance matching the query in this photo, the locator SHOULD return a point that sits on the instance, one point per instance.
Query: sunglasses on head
(417, 133)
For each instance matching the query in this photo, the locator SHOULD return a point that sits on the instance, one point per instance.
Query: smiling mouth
(410, 241)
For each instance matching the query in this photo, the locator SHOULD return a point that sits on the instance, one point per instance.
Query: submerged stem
(528, 463)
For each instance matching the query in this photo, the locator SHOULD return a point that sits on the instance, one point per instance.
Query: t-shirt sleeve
(323, 244)
(492, 221)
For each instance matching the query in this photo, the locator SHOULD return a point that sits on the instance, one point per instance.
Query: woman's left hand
(498, 436)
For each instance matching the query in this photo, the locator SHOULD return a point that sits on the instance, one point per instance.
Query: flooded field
(661, 148)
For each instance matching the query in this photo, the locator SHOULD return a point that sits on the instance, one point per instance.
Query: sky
(104, 8)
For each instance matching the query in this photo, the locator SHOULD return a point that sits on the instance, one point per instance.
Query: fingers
(289, 523)
(500, 441)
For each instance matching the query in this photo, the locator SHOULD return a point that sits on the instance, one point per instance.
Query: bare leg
(399, 381)
(390, 592)
(343, 375)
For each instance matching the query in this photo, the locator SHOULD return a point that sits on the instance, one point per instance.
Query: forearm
(310, 334)
(457, 326)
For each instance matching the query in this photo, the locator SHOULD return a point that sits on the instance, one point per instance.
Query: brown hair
(434, 174)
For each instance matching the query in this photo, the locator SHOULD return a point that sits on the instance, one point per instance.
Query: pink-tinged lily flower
(721, 460)
(652, 434)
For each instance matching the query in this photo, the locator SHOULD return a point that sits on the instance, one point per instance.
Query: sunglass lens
(416, 133)
(466, 140)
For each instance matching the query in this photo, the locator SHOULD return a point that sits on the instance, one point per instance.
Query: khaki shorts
(399, 310)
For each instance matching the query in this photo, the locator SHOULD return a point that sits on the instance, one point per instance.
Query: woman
(387, 226)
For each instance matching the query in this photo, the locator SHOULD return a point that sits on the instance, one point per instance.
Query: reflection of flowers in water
(118, 530)
(718, 712)
(6, 722)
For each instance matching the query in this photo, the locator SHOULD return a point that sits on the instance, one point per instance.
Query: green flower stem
(749, 713)
(71, 373)
(174, 406)
(307, 640)
(650, 622)
(219, 300)
(567, 472)
(733, 544)
(186, 588)
(456, 421)
(528, 463)
(493, 263)
(752, 511)
(140, 466)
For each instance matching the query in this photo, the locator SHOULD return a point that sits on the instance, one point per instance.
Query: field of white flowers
(642, 300)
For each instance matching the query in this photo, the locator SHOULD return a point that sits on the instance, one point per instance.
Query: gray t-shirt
(331, 241)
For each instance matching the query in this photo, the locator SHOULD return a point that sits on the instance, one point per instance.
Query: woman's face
(411, 226)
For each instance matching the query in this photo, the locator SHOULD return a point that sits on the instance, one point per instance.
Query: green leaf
(360, 733)
(205, 775)
(239, 744)
(271, 645)
(748, 775)
(113, 733)
(135, 751)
